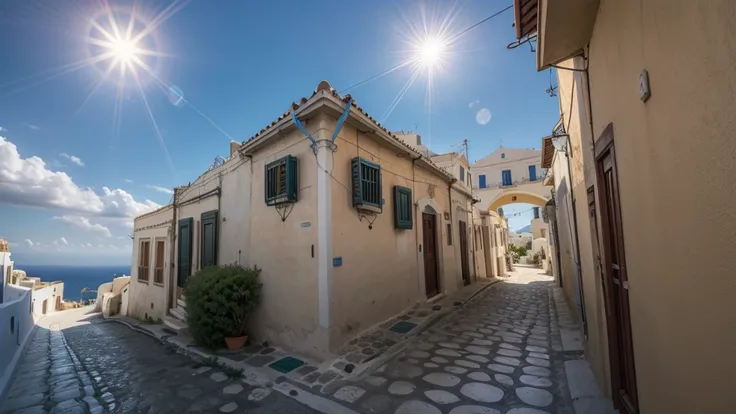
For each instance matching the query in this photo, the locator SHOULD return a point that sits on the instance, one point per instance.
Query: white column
(324, 231)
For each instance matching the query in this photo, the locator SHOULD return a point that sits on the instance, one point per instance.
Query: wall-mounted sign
(306, 223)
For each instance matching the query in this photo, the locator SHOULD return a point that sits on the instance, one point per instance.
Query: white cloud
(3, 129)
(483, 116)
(61, 242)
(28, 243)
(27, 182)
(84, 223)
(472, 104)
(160, 189)
(73, 159)
(33, 127)
(128, 181)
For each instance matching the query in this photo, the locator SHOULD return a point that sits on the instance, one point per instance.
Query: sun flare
(123, 50)
(430, 52)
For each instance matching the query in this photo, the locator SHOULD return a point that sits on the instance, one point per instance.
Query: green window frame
(281, 181)
(403, 208)
(366, 183)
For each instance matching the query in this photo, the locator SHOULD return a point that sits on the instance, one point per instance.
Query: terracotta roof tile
(325, 86)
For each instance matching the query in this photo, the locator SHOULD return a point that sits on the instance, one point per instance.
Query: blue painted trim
(301, 126)
(342, 119)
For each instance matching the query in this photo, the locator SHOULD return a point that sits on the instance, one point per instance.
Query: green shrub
(219, 301)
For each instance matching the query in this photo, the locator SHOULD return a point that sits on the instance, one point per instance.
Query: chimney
(234, 146)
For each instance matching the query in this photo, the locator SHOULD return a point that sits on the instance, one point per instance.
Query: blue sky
(72, 178)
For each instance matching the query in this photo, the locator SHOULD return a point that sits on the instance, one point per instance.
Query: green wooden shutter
(209, 239)
(184, 261)
(292, 179)
(357, 182)
(402, 208)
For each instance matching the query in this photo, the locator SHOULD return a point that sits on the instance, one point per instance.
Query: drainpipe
(173, 280)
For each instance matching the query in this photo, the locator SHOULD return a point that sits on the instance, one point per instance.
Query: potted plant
(219, 301)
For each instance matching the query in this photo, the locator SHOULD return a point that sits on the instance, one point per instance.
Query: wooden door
(184, 261)
(616, 283)
(429, 231)
(464, 252)
(209, 239)
(487, 251)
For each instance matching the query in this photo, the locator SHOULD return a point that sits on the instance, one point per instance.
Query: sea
(75, 278)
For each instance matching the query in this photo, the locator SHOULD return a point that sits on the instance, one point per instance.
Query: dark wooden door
(464, 252)
(616, 285)
(487, 251)
(184, 261)
(429, 231)
(209, 239)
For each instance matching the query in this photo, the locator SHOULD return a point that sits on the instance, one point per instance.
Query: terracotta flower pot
(236, 342)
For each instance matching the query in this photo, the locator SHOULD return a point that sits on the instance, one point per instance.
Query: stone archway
(515, 196)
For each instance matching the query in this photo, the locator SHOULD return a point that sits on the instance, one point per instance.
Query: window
(158, 270)
(532, 173)
(144, 260)
(449, 234)
(402, 208)
(281, 181)
(366, 183)
(503, 155)
(482, 181)
(506, 177)
(462, 173)
(544, 233)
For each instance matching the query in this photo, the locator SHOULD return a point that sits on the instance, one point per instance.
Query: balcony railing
(524, 180)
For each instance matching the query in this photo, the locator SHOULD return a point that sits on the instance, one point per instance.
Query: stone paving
(500, 354)
(86, 365)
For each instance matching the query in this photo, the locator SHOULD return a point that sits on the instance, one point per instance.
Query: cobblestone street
(500, 354)
(114, 369)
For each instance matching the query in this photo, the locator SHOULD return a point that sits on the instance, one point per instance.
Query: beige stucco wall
(382, 268)
(146, 298)
(675, 165)
(539, 227)
(283, 249)
(583, 176)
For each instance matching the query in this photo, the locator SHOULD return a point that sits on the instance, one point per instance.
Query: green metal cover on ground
(402, 327)
(286, 364)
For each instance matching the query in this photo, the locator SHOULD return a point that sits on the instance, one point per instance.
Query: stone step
(179, 313)
(175, 325)
(181, 303)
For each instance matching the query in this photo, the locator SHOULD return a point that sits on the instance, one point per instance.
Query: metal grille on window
(281, 181)
(366, 183)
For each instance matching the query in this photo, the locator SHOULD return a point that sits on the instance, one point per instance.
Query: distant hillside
(525, 229)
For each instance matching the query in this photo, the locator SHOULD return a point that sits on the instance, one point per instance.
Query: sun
(430, 52)
(124, 51)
